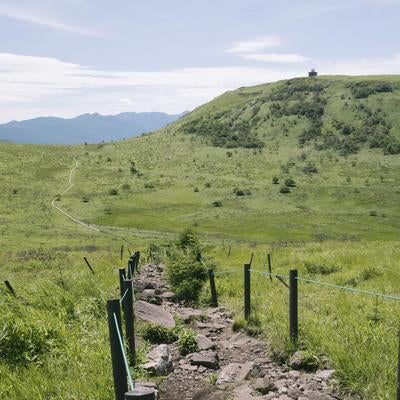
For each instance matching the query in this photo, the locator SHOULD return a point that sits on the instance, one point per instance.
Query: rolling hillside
(307, 170)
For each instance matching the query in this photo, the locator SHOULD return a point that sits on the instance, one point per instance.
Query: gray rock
(303, 360)
(204, 343)
(242, 392)
(189, 314)
(159, 361)
(314, 395)
(237, 372)
(169, 296)
(325, 375)
(154, 314)
(265, 385)
(208, 359)
(210, 394)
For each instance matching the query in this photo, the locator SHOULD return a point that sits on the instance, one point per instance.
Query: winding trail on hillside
(70, 184)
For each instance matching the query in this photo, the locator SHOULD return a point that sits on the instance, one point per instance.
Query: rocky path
(228, 365)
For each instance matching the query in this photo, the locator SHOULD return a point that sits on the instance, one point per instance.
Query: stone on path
(159, 361)
(189, 314)
(204, 343)
(242, 392)
(237, 372)
(154, 314)
(265, 385)
(208, 359)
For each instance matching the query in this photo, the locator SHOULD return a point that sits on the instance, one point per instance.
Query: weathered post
(269, 267)
(122, 251)
(122, 277)
(398, 368)
(293, 306)
(88, 264)
(118, 367)
(127, 305)
(214, 298)
(142, 394)
(229, 250)
(10, 288)
(247, 304)
(130, 268)
(137, 258)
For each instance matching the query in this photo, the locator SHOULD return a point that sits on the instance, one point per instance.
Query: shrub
(113, 192)
(321, 269)
(207, 185)
(158, 334)
(126, 186)
(217, 203)
(289, 182)
(242, 192)
(185, 275)
(187, 343)
(196, 190)
(188, 241)
(284, 189)
(275, 180)
(149, 185)
(85, 199)
(310, 168)
(373, 213)
(22, 342)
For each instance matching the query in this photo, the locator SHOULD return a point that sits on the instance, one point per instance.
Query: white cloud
(282, 58)
(32, 86)
(33, 16)
(255, 44)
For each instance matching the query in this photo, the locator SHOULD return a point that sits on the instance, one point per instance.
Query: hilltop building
(313, 72)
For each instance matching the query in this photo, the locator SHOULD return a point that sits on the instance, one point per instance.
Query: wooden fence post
(127, 305)
(398, 368)
(137, 257)
(214, 298)
(122, 277)
(142, 394)
(269, 267)
(122, 251)
(247, 304)
(118, 366)
(293, 306)
(10, 288)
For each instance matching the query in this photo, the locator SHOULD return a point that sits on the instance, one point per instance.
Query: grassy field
(345, 214)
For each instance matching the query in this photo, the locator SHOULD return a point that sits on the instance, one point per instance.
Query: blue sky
(68, 57)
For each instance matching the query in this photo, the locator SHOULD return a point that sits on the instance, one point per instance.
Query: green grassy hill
(306, 169)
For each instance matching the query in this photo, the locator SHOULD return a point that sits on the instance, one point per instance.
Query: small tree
(275, 180)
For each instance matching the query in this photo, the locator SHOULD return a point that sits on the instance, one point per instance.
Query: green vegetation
(340, 223)
(158, 334)
(187, 342)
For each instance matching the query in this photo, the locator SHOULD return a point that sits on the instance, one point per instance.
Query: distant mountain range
(90, 128)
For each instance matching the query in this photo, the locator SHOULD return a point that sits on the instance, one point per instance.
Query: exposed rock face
(159, 361)
(154, 314)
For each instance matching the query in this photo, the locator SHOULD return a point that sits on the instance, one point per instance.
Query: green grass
(347, 215)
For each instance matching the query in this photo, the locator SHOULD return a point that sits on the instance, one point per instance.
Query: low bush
(187, 343)
(321, 269)
(289, 182)
(217, 203)
(113, 192)
(284, 190)
(157, 334)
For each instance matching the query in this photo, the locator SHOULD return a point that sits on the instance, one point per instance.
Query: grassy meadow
(339, 223)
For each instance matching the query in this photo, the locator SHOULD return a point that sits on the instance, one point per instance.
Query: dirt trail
(231, 365)
(70, 184)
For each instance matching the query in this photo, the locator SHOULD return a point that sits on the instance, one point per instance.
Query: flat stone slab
(189, 314)
(154, 314)
(208, 359)
(204, 343)
(237, 372)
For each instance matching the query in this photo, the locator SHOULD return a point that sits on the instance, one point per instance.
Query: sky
(69, 57)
